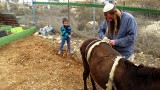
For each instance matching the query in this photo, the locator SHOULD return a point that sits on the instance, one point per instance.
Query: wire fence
(81, 18)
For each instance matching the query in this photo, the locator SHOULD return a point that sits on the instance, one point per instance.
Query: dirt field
(32, 63)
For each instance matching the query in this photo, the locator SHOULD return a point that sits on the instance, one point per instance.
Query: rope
(95, 44)
(111, 74)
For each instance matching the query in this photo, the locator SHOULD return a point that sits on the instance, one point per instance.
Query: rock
(36, 34)
(90, 25)
(50, 37)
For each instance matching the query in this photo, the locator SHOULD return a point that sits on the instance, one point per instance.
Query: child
(66, 35)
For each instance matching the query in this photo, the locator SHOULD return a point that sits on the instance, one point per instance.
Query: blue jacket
(124, 40)
(66, 32)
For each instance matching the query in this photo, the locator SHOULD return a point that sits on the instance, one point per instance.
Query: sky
(38, 0)
(20, 1)
(31, 0)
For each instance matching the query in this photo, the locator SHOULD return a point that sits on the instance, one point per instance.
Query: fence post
(124, 3)
(68, 13)
(94, 16)
(33, 13)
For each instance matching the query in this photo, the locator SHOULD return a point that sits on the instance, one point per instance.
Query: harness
(116, 60)
(96, 43)
(111, 74)
(86, 55)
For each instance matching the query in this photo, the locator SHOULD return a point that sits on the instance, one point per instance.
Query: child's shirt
(66, 31)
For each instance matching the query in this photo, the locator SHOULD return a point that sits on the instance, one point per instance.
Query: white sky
(39, 0)
(20, 1)
(30, 0)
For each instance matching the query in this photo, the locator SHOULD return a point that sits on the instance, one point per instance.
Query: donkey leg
(85, 75)
(93, 83)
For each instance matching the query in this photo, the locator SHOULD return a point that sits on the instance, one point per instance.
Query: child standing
(66, 36)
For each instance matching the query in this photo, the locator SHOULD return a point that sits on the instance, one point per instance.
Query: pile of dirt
(32, 63)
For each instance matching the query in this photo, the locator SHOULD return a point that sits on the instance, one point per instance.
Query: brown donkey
(101, 63)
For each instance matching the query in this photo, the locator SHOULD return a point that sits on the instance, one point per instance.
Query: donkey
(110, 70)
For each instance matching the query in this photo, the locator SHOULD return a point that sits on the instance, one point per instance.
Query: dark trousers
(63, 42)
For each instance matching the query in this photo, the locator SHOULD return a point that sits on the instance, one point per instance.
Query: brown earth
(32, 63)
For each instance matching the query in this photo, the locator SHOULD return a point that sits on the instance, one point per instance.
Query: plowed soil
(32, 63)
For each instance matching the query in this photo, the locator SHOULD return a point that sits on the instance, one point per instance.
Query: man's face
(109, 16)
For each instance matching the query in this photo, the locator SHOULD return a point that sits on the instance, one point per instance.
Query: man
(121, 28)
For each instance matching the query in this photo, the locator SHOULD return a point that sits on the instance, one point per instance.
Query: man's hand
(105, 39)
(112, 42)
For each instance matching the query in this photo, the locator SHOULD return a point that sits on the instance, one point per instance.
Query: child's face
(65, 23)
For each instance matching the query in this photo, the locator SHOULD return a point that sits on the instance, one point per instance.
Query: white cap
(108, 6)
